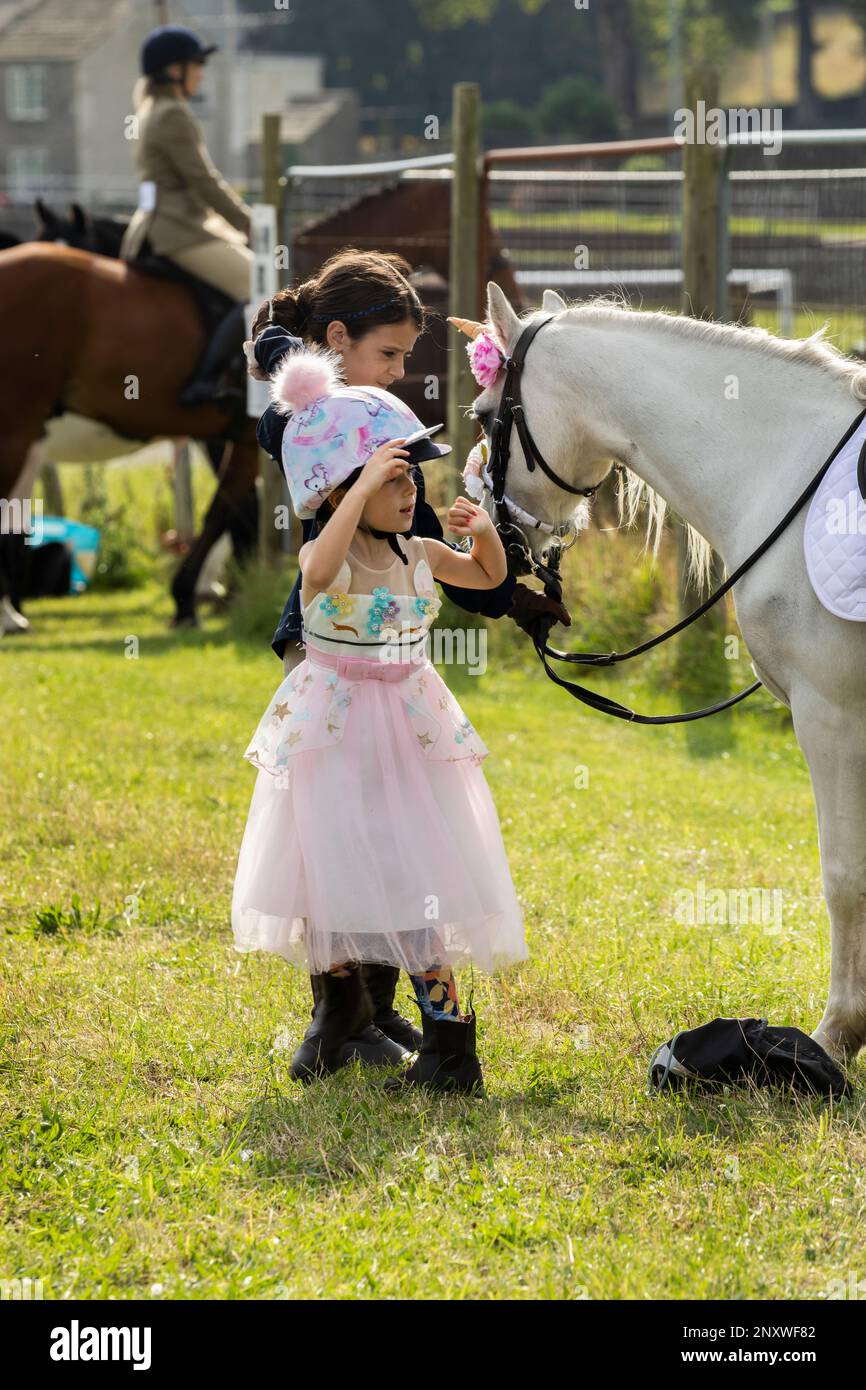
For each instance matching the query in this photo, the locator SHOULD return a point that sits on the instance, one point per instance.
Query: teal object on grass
(81, 541)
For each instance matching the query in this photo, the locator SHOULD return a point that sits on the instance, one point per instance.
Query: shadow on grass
(344, 1132)
(214, 632)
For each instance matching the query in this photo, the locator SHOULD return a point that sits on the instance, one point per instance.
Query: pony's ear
(44, 213)
(552, 303)
(79, 217)
(505, 323)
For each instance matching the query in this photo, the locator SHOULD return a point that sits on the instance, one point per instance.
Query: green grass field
(153, 1144)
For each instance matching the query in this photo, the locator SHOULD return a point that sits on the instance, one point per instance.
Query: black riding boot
(342, 1030)
(446, 1061)
(224, 346)
(381, 981)
(14, 564)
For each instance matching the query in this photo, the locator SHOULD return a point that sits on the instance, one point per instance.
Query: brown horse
(91, 335)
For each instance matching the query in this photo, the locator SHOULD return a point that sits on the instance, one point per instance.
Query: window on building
(26, 172)
(25, 92)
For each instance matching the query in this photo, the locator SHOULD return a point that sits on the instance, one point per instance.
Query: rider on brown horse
(186, 210)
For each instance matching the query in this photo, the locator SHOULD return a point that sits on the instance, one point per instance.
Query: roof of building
(304, 116)
(46, 30)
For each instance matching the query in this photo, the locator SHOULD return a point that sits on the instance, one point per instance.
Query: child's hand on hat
(385, 463)
(466, 518)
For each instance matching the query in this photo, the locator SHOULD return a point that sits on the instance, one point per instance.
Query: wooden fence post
(703, 672)
(52, 488)
(463, 269)
(704, 290)
(184, 519)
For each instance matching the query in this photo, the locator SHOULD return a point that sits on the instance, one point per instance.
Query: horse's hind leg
(834, 742)
(237, 476)
(244, 520)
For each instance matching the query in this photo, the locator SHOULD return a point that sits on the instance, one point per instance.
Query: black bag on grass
(730, 1049)
(46, 570)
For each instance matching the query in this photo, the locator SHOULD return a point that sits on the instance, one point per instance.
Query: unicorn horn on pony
(486, 356)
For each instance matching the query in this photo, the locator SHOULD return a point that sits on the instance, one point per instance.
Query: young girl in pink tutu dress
(372, 835)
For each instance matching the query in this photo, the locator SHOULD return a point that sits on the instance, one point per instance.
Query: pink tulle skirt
(366, 848)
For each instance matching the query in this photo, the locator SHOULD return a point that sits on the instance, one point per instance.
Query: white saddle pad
(835, 535)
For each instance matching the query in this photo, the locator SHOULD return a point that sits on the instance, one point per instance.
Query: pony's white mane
(633, 494)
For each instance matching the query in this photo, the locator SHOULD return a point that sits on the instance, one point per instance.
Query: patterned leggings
(435, 990)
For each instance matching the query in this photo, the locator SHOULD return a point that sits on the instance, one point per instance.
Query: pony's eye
(483, 417)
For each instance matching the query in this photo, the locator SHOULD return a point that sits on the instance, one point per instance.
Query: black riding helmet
(172, 43)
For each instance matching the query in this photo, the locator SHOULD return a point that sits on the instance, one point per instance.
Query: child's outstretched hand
(466, 518)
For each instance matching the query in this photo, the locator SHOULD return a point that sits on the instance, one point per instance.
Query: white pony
(728, 425)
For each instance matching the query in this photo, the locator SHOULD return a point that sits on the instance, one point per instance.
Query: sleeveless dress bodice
(366, 610)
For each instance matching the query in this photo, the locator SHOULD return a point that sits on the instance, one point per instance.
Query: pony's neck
(726, 433)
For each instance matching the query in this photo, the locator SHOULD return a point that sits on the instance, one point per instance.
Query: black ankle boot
(225, 344)
(342, 1030)
(447, 1060)
(381, 981)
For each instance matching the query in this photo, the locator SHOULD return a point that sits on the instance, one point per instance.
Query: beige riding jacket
(184, 199)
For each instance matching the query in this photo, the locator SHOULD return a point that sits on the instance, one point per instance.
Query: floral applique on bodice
(340, 619)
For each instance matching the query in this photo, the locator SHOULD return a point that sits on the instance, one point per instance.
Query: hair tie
(355, 313)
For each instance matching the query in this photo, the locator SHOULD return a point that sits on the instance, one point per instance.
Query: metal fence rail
(813, 224)
(795, 238)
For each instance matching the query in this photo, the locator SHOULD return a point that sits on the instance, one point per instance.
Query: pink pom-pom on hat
(304, 377)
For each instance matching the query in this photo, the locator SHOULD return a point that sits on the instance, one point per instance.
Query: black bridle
(511, 414)
(521, 560)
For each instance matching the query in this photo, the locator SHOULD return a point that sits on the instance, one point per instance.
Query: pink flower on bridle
(486, 358)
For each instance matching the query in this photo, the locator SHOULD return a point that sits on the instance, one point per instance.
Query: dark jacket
(272, 344)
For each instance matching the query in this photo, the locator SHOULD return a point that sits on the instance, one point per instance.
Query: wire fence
(795, 237)
(810, 226)
(395, 205)
(589, 230)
